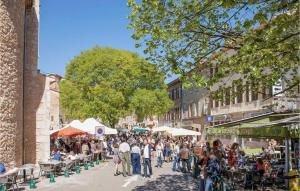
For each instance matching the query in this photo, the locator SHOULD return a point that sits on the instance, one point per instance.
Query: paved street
(102, 178)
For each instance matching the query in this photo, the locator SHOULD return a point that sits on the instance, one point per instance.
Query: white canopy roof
(162, 128)
(90, 124)
(75, 123)
(183, 132)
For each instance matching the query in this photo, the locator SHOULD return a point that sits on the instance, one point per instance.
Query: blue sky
(68, 27)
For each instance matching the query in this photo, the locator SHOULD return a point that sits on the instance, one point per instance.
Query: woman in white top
(72, 156)
(159, 154)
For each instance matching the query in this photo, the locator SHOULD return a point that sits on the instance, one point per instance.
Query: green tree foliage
(147, 103)
(103, 82)
(255, 38)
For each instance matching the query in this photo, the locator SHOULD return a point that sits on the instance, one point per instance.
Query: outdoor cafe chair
(77, 162)
(46, 169)
(12, 180)
(68, 165)
(4, 181)
(257, 180)
(27, 170)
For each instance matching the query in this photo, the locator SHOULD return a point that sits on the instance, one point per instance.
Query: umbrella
(69, 131)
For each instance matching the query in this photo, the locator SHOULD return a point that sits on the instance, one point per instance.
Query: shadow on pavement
(182, 182)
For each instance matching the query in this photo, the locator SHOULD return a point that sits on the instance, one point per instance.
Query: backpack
(57, 156)
(2, 168)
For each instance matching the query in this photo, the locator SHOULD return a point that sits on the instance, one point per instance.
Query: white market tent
(75, 123)
(90, 124)
(183, 132)
(162, 129)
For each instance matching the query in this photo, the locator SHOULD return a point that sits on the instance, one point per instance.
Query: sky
(68, 27)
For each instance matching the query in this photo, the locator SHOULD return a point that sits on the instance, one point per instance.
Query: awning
(140, 129)
(69, 132)
(183, 132)
(287, 127)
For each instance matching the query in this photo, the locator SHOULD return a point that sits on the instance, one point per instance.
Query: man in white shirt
(147, 159)
(124, 150)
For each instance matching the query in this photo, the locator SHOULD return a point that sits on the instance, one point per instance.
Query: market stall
(183, 132)
(162, 129)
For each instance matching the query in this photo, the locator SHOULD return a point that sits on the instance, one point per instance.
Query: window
(247, 92)
(239, 92)
(227, 96)
(216, 69)
(222, 98)
(254, 93)
(211, 71)
(216, 102)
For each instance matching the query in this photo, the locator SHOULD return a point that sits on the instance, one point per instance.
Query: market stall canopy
(90, 124)
(124, 130)
(140, 129)
(69, 132)
(162, 129)
(75, 124)
(183, 132)
(110, 131)
(261, 128)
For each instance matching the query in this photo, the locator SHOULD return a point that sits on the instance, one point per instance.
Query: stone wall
(34, 82)
(11, 80)
(21, 86)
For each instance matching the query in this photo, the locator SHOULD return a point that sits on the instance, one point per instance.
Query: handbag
(2, 168)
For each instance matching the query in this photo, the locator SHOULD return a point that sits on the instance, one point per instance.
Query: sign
(210, 118)
(276, 89)
(99, 131)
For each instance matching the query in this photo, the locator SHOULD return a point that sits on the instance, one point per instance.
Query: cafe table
(27, 168)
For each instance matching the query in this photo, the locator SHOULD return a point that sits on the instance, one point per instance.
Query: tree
(146, 103)
(255, 38)
(101, 83)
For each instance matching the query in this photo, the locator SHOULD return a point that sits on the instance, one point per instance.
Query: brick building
(24, 92)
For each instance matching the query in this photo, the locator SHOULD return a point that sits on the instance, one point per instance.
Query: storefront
(285, 127)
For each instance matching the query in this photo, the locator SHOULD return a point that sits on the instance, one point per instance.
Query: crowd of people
(138, 153)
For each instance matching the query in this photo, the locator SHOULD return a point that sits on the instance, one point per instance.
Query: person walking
(176, 161)
(184, 156)
(116, 157)
(196, 157)
(159, 154)
(136, 159)
(124, 149)
(167, 151)
(147, 159)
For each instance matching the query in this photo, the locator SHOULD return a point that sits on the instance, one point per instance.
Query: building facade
(25, 93)
(241, 102)
(191, 107)
(173, 117)
(130, 121)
